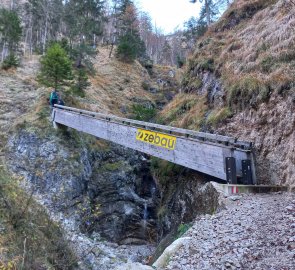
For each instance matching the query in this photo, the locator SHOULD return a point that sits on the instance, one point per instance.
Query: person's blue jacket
(53, 98)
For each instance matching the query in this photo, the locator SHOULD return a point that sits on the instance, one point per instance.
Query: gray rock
(235, 198)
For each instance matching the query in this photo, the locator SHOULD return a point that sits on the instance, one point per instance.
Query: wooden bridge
(219, 156)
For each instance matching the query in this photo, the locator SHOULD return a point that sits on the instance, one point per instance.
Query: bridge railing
(201, 136)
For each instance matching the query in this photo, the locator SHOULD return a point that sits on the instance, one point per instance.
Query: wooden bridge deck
(203, 152)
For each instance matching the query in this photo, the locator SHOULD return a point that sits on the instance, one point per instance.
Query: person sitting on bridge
(53, 98)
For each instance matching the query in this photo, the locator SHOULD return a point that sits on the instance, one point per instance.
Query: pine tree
(84, 23)
(130, 45)
(10, 32)
(56, 67)
(43, 23)
(194, 29)
(209, 10)
(84, 20)
(81, 82)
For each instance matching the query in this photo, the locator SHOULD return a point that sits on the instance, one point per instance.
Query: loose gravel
(252, 232)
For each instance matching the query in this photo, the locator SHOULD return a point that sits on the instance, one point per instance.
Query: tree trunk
(11, 4)
(111, 51)
(45, 34)
(207, 12)
(31, 38)
(3, 52)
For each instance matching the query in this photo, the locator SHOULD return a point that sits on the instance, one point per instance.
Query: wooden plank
(200, 156)
(195, 134)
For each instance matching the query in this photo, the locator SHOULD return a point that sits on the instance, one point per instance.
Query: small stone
(235, 198)
(290, 208)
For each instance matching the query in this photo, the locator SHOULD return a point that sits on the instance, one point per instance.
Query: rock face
(271, 127)
(207, 83)
(106, 191)
(109, 190)
(184, 199)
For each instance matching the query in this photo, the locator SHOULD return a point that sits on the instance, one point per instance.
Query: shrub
(287, 56)
(206, 64)
(143, 113)
(267, 63)
(180, 61)
(145, 85)
(196, 83)
(165, 170)
(182, 229)
(10, 62)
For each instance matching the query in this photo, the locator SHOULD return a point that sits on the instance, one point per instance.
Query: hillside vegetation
(29, 239)
(240, 82)
(251, 52)
(259, 58)
(117, 86)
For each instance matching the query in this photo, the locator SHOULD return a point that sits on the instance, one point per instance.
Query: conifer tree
(130, 45)
(56, 67)
(209, 10)
(10, 32)
(84, 20)
(42, 22)
(84, 24)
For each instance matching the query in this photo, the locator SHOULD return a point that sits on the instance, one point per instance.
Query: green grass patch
(267, 63)
(206, 64)
(143, 113)
(196, 83)
(112, 166)
(182, 229)
(182, 105)
(145, 85)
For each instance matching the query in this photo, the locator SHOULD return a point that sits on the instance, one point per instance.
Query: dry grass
(186, 111)
(254, 39)
(28, 238)
(218, 115)
(115, 85)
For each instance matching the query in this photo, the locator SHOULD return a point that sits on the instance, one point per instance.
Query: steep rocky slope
(240, 82)
(29, 239)
(97, 191)
(117, 86)
(17, 96)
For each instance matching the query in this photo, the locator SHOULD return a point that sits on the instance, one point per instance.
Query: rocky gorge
(113, 203)
(118, 208)
(106, 198)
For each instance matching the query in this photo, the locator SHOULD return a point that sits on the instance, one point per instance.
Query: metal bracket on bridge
(231, 170)
(247, 172)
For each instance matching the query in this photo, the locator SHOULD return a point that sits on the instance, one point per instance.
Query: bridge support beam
(200, 155)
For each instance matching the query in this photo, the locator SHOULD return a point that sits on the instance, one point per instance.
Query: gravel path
(253, 232)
